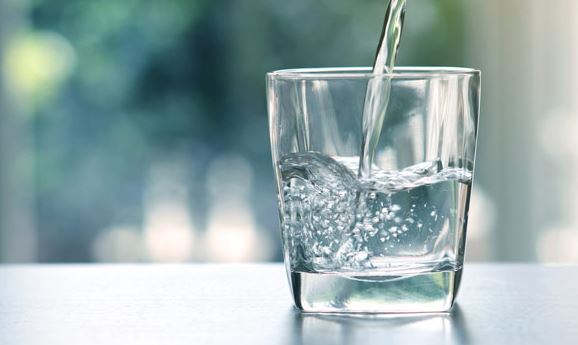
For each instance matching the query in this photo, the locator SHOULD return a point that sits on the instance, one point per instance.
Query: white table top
(251, 304)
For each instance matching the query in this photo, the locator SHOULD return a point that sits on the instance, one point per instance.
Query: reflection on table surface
(450, 328)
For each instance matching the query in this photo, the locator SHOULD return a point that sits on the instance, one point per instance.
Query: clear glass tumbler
(388, 237)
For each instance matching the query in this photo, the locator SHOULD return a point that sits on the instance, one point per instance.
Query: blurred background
(136, 130)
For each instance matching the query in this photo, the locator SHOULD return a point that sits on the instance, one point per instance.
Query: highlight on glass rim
(307, 171)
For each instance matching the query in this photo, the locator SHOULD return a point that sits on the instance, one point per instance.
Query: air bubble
(332, 218)
(361, 256)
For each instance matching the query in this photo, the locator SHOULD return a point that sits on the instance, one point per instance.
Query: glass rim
(421, 72)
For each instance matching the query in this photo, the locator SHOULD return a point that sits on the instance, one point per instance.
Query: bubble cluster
(333, 221)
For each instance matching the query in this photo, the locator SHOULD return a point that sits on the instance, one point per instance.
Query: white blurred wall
(528, 143)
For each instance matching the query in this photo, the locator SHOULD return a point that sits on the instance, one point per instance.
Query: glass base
(429, 292)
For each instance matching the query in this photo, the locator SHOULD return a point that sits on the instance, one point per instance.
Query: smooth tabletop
(251, 304)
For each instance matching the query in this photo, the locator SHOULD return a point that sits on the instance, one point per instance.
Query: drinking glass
(388, 238)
